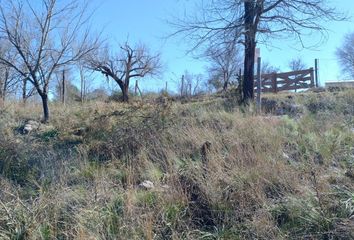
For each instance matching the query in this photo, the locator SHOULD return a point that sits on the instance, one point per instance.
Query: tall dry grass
(220, 171)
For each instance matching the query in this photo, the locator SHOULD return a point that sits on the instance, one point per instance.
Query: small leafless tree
(190, 84)
(127, 64)
(297, 64)
(225, 61)
(45, 35)
(84, 81)
(8, 77)
(268, 68)
(8, 82)
(27, 91)
(345, 55)
(253, 21)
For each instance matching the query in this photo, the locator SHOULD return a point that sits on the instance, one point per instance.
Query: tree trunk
(3, 97)
(125, 92)
(2, 94)
(250, 46)
(226, 81)
(82, 86)
(63, 88)
(24, 91)
(44, 97)
(248, 84)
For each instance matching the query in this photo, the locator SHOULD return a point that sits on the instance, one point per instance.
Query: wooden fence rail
(287, 81)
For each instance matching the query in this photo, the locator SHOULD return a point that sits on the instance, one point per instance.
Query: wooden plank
(313, 78)
(293, 88)
(306, 71)
(274, 83)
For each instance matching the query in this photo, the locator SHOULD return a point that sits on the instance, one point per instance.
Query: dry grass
(220, 172)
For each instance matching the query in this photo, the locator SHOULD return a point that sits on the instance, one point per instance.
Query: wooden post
(182, 86)
(259, 84)
(274, 82)
(312, 78)
(316, 71)
(82, 84)
(136, 88)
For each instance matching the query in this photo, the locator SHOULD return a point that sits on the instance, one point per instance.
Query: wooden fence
(287, 81)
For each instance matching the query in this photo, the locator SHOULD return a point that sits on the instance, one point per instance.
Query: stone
(268, 105)
(147, 185)
(285, 108)
(30, 126)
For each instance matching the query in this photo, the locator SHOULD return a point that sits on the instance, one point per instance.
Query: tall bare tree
(83, 81)
(297, 64)
(8, 78)
(250, 21)
(225, 61)
(46, 35)
(345, 55)
(125, 65)
(190, 84)
(27, 91)
(268, 68)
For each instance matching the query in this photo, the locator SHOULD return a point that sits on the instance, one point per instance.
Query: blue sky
(145, 21)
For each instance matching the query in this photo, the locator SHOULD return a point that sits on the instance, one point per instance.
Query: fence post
(316, 71)
(274, 82)
(259, 84)
(136, 88)
(312, 77)
(182, 85)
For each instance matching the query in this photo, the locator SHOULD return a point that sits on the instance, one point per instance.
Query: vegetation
(123, 165)
(219, 171)
(345, 55)
(248, 23)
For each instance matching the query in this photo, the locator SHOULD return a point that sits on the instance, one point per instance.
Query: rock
(350, 174)
(286, 156)
(147, 185)
(281, 108)
(268, 105)
(165, 187)
(285, 108)
(30, 126)
(80, 131)
(318, 159)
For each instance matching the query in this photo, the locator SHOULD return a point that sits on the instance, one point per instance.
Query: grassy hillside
(219, 171)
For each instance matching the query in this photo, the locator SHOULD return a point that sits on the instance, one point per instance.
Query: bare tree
(225, 61)
(190, 84)
(345, 55)
(8, 78)
(251, 21)
(268, 68)
(125, 65)
(8, 82)
(46, 35)
(83, 81)
(27, 91)
(297, 64)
